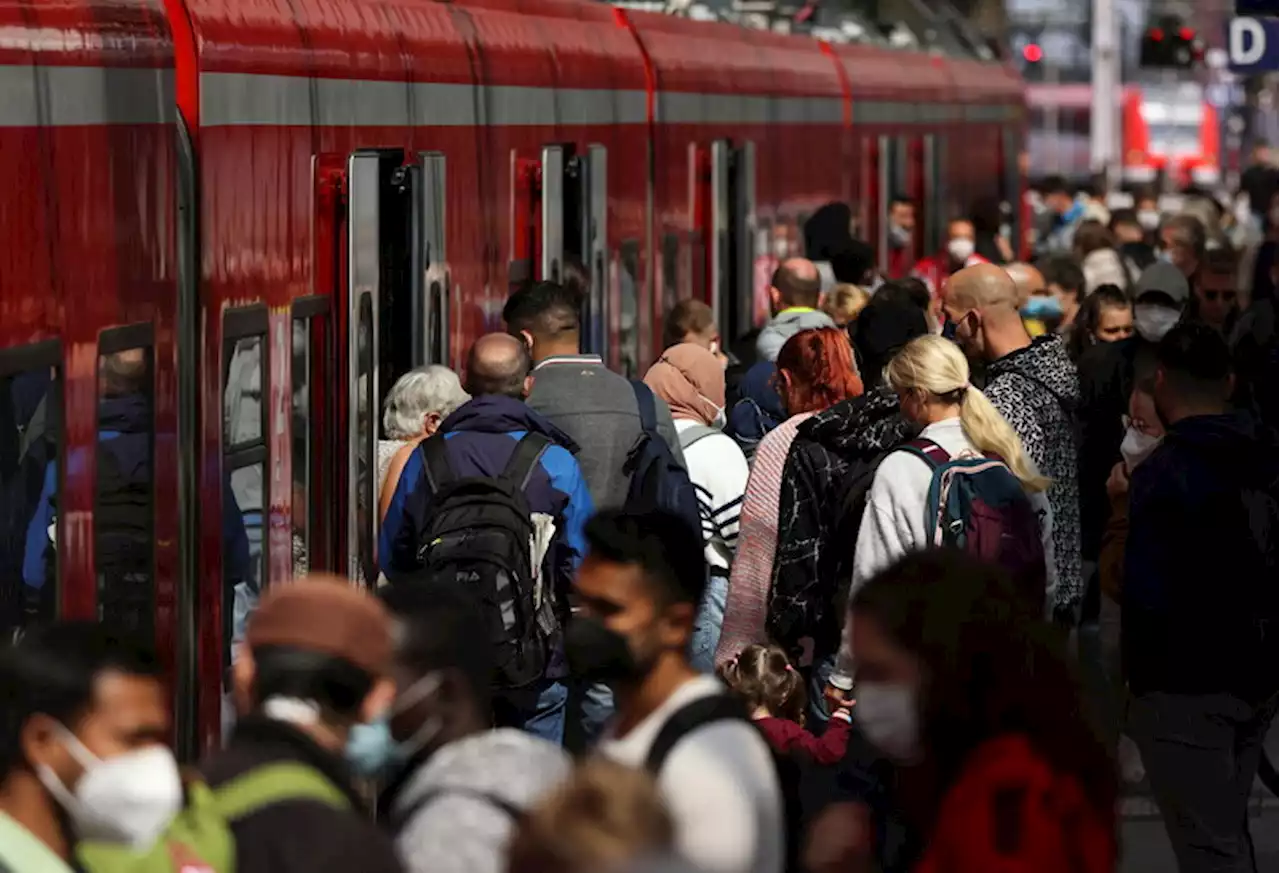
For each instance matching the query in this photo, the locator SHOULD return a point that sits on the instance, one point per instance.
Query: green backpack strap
(275, 783)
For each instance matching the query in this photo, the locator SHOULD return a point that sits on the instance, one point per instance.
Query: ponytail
(987, 429)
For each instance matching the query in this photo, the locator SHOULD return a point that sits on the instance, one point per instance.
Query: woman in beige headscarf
(691, 380)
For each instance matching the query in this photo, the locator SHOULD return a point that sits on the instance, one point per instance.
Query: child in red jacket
(774, 690)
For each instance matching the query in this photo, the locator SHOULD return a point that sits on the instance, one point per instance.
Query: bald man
(478, 441)
(793, 295)
(1034, 385)
(1028, 280)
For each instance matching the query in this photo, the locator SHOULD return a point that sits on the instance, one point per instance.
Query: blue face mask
(371, 749)
(1042, 307)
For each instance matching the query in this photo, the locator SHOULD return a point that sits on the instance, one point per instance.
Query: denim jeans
(1201, 754)
(538, 710)
(707, 625)
(819, 673)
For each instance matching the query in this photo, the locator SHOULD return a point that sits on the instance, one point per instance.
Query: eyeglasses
(1212, 296)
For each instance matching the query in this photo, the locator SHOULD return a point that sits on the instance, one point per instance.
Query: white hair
(418, 393)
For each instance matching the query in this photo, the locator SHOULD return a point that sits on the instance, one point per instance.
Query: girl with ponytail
(931, 378)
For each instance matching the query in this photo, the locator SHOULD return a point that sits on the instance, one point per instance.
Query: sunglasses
(1212, 296)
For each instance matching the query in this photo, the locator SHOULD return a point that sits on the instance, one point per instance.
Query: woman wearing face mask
(975, 702)
(958, 253)
(1143, 432)
(691, 381)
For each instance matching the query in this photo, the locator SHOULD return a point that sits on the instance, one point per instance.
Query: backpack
(123, 505)
(789, 768)
(480, 532)
(658, 480)
(978, 506)
(200, 838)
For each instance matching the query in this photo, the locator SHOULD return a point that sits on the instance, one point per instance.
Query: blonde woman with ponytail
(931, 378)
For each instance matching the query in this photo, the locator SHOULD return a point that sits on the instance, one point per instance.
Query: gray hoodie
(785, 325)
(459, 829)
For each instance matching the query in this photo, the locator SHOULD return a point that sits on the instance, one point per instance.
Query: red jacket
(935, 270)
(784, 736)
(1009, 812)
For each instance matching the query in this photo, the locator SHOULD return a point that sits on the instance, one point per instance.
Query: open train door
(559, 230)
(725, 211)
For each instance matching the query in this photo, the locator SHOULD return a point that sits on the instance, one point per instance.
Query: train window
(30, 474)
(124, 490)
(308, 498)
(244, 464)
(629, 308)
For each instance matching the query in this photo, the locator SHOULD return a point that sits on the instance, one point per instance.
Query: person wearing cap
(314, 678)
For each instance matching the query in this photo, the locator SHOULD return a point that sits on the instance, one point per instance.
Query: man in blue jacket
(1199, 603)
(480, 437)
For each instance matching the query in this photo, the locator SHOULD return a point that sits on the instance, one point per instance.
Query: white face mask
(130, 798)
(1153, 321)
(1149, 219)
(886, 713)
(960, 248)
(1137, 447)
(899, 236)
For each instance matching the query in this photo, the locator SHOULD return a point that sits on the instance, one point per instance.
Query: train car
(230, 226)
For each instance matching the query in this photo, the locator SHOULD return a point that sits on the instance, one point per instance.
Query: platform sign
(1253, 45)
(1260, 8)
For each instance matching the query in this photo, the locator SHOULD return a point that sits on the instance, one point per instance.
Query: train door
(730, 225)
(883, 196)
(559, 231)
(398, 305)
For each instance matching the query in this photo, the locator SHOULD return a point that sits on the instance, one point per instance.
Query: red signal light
(1186, 34)
(1033, 53)
(1156, 34)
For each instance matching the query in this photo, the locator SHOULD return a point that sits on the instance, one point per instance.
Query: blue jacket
(481, 435)
(759, 411)
(1199, 598)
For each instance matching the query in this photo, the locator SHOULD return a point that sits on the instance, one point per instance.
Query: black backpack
(658, 480)
(479, 532)
(790, 769)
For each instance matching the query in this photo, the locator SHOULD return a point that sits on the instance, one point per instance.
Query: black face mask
(598, 654)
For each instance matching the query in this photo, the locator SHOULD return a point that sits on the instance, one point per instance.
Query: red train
(230, 225)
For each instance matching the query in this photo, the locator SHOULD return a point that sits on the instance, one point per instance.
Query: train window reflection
(244, 463)
(365, 433)
(30, 440)
(629, 308)
(301, 504)
(670, 265)
(124, 501)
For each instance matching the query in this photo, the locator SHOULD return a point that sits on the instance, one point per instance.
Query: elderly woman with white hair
(416, 405)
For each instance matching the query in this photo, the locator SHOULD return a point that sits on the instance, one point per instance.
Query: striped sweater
(758, 530)
(718, 472)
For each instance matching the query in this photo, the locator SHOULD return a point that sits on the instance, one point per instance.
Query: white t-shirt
(719, 473)
(719, 784)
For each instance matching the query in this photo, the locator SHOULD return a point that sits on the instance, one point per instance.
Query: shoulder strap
(274, 783)
(524, 459)
(435, 457)
(403, 817)
(927, 450)
(644, 402)
(686, 720)
(694, 434)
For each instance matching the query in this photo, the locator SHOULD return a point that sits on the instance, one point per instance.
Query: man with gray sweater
(597, 408)
(578, 394)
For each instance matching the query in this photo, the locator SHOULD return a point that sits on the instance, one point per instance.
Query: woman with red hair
(815, 370)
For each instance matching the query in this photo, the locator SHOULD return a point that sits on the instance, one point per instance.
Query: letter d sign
(1247, 42)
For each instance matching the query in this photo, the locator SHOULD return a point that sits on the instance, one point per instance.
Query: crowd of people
(889, 584)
